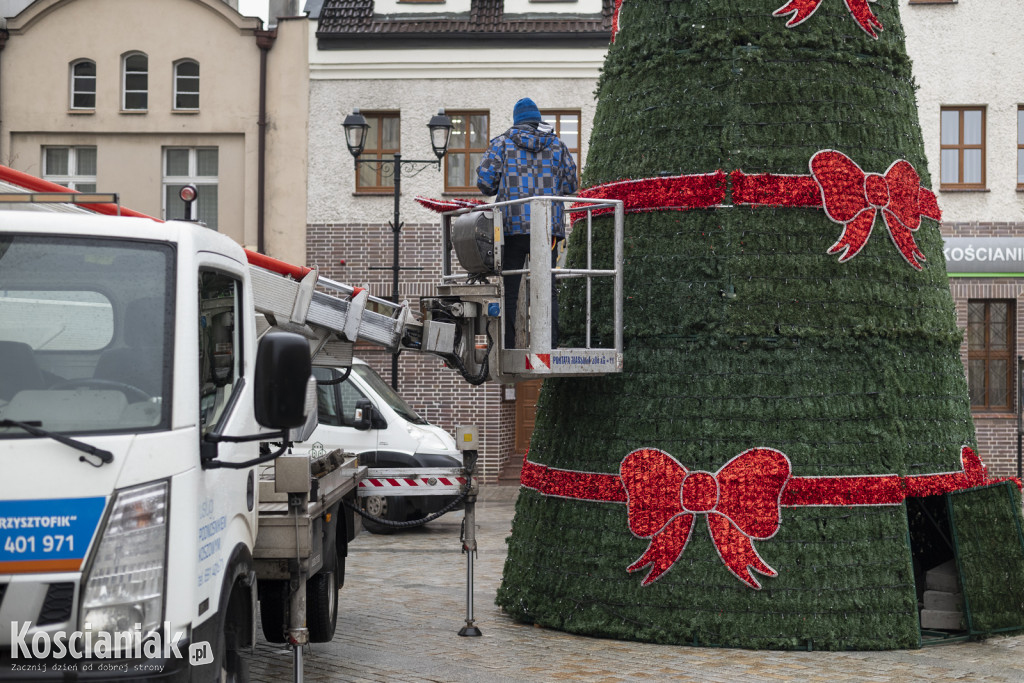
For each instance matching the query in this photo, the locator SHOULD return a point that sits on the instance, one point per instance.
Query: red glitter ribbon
(442, 205)
(837, 184)
(742, 501)
(664, 193)
(851, 198)
(802, 10)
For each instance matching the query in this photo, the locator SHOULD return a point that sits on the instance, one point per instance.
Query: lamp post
(355, 138)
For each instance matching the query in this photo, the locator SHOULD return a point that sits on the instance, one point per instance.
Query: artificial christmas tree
(788, 449)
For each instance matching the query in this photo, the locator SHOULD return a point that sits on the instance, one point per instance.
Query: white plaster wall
(971, 53)
(389, 7)
(453, 63)
(420, 8)
(573, 7)
(416, 83)
(331, 174)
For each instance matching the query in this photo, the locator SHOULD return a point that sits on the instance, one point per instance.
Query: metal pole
(466, 440)
(298, 634)
(396, 228)
(541, 332)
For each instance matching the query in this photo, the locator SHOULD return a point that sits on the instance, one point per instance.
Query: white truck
(148, 497)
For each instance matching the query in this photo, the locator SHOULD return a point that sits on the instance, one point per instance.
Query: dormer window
(135, 82)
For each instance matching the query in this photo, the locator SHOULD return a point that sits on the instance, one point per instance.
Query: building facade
(399, 62)
(969, 64)
(176, 95)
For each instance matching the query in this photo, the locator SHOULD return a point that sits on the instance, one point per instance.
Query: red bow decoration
(803, 9)
(851, 198)
(741, 502)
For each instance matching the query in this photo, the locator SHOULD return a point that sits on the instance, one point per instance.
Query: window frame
(74, 79)
(125, 91)
(1020, 147)
(961, 146)
(221, 407)
(192, 178)
(176, 79)
(73, 180)
(466, 151)
(558, 114)
(379, 153)
(986, 355)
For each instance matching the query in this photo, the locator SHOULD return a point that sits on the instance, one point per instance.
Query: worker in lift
(527, 160)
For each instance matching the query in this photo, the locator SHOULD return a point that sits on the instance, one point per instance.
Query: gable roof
(342, 20)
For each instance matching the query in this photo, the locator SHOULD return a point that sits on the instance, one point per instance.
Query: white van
(361, 413)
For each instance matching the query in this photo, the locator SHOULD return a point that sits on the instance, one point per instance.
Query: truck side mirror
(285, 387)
(364, 414)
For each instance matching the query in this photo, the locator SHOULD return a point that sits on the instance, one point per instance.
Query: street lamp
(355, 126)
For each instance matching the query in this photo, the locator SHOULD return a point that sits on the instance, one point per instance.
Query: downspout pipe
(265, 41)
(3, 42)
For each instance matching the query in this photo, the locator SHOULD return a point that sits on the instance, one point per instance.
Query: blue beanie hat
(525, 111)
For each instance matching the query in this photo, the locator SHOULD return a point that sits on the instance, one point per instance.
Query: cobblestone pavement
(404, 601)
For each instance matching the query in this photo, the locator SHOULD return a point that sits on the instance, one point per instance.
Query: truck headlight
(125, 586)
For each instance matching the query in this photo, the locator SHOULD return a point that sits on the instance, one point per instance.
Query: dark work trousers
(513, 257)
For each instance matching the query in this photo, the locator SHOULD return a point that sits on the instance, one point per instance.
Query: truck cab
(125, 345)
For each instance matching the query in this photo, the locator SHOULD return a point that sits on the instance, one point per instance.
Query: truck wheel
(233, 667)
(274, 604)
(322, 605)
(391, 508)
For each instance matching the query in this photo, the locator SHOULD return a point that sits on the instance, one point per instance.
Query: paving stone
(404, 602)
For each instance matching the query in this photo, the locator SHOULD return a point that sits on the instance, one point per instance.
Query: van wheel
(274, 605)
(391, 508)
(322, 605)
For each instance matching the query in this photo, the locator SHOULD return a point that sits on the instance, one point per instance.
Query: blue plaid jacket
(527, 161)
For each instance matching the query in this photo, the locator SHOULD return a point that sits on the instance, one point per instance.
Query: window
(1020, 148)
(191, 166)
(72, 167)
(469, 140)
(186, 85)
(83, 84)
(336, 403)
(135, 82)
(220, 345)
(101, 325)
(567, 128)
(990, 351)
(962, 160)
(382, 142)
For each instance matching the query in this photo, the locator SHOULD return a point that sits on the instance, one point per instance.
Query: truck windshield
(85, 343)
(385, 391)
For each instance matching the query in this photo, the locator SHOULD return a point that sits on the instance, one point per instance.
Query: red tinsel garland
(741, 501)
(849, 196)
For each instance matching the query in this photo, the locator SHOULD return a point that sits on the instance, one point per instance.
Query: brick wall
(996, 432)
(440, 395)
